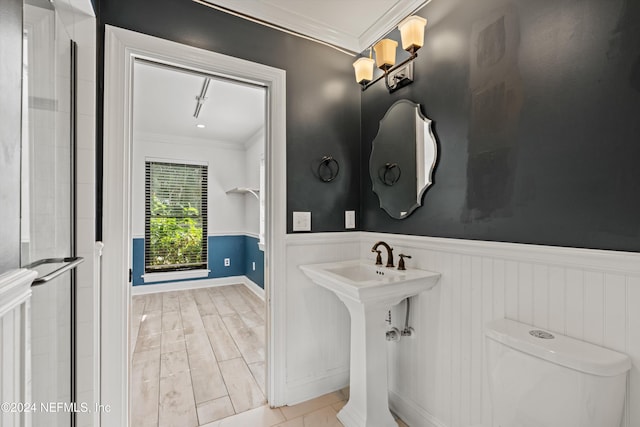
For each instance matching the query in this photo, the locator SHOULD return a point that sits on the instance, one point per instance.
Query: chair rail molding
(15, 289)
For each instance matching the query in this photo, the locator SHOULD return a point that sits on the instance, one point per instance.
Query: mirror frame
(423, 180)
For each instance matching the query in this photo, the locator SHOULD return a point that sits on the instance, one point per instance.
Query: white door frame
(122, 48)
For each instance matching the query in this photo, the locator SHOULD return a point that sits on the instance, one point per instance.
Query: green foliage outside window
(176, 210)
(174, 240)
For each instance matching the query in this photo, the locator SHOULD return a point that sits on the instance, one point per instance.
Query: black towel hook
(326, 172)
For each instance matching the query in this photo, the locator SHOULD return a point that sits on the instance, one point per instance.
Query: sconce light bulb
(363, 68)
(412, 33)
(385, 53)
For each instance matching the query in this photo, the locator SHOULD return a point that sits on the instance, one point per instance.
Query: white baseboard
(411, 413)
(301, 391)
(190, 284)
(253, 287)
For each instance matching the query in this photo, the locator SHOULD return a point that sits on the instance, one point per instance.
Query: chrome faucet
(389, 253)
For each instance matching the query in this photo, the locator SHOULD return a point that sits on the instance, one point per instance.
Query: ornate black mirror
(403, 157)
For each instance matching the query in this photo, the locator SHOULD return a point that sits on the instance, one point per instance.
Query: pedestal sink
(368, 291)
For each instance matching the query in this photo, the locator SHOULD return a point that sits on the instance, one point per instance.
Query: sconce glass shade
(385, 53)
(364, 69)
(412, 33)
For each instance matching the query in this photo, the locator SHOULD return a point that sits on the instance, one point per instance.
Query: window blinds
(175, 216)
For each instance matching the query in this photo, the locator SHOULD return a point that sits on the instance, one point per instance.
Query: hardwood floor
(198, 356)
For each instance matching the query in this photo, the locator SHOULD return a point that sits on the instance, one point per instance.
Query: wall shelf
(245, 190)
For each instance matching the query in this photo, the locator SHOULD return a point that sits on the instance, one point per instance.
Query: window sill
(175, 275)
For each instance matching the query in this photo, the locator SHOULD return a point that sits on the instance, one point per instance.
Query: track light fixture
(202, 97)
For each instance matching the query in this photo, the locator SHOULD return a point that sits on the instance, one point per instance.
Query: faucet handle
(401, 262)
(378, 257)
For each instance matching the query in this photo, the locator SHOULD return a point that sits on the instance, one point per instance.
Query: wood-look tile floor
(319, 412)
(198, 360)
(198, 356)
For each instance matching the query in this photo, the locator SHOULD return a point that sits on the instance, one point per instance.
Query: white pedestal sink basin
(369, 291)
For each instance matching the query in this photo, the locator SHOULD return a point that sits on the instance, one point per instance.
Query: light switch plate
(349, 219)
(302, 221)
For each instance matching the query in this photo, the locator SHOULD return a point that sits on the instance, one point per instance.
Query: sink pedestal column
(369, 291)
(368, 404)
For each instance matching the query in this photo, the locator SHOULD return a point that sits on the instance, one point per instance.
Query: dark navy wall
(137, 263)
(242, 251)
(323, 102)
(535, 107)
(221, 247)
(254, 261)
(10, 131)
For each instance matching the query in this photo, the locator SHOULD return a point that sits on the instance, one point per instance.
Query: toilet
(542, 379)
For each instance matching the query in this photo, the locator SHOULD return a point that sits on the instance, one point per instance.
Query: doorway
(122, 49)
(198, 314)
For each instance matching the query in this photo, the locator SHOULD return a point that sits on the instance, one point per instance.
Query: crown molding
(284, 20)
(388, 22)
(257, 136)
(186, 140)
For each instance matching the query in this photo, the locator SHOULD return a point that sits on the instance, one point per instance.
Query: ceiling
(165, 98)
(350, 24)
(164, 102)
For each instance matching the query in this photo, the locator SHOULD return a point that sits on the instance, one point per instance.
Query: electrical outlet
(254, 266)
(227, 262)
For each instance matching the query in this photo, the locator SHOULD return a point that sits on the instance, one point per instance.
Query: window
(175, 217)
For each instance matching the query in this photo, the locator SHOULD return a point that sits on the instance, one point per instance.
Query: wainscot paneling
(436, 377)
(15, 346)
(317, 323)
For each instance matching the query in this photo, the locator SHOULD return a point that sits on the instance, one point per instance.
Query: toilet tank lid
(562, 350)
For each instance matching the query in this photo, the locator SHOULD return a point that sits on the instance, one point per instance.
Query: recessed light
(200, 126)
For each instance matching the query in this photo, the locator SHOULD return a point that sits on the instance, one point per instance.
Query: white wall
(254, 152)
(436, 378)
(230, 165)
(226, 170)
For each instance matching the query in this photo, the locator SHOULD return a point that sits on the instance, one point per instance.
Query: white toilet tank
(542, 379)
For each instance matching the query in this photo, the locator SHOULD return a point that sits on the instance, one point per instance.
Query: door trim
(122, 48)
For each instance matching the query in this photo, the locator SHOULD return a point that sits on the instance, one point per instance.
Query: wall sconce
(395, 76)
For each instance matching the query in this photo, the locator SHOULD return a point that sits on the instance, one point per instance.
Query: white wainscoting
(15, 345)
(317, 324)
(437, 377)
